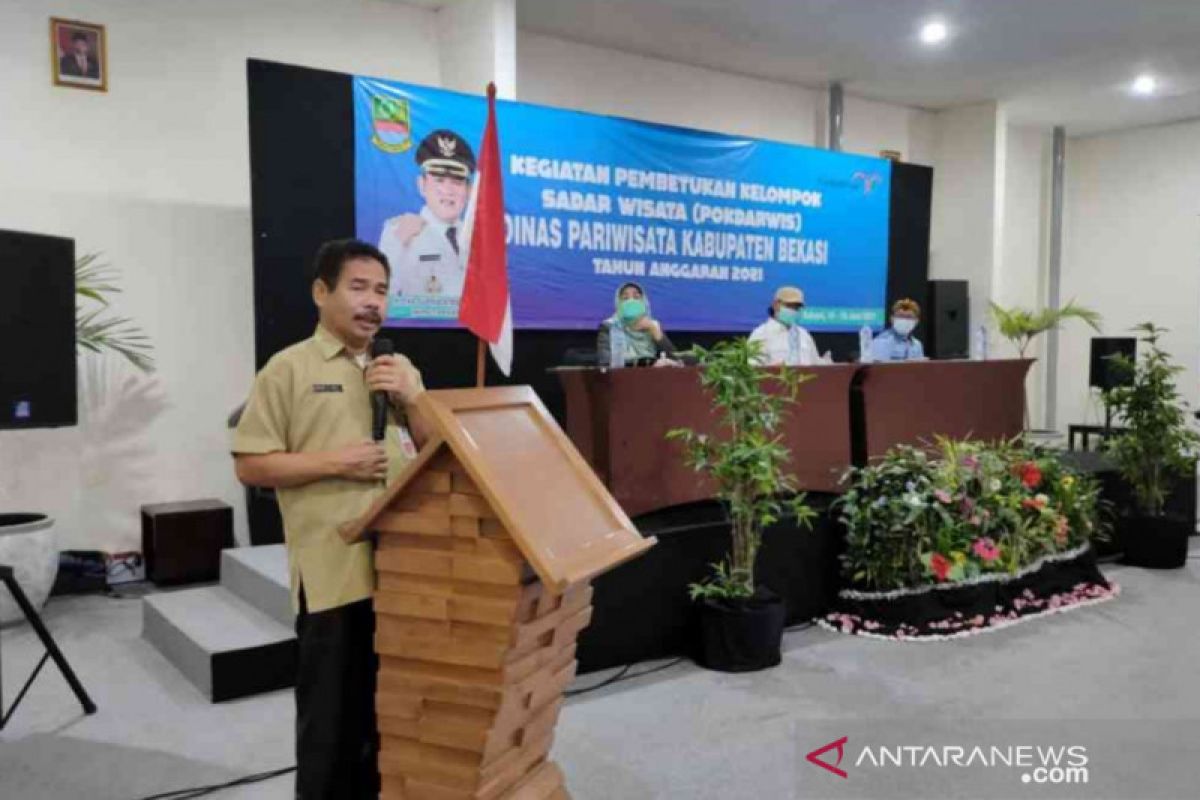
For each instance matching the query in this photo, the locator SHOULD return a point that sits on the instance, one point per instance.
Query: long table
(618, 419)
(846, 414)
(912, 402)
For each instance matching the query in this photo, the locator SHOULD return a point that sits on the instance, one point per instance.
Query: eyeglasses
(793, 306)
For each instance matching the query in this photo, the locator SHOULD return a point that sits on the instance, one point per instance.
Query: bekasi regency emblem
(391, 124)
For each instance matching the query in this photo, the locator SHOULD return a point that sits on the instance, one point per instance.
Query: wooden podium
(487, 543)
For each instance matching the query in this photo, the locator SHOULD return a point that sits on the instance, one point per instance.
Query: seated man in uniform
(423, 249)
(784, 342)
(897, 343)
(642, 334)
(306, 432)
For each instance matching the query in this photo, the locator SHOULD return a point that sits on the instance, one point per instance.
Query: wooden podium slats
(475, 653)
(448, 587)
(476, 646)
(461, 483)
(429, 523)
(470, 505)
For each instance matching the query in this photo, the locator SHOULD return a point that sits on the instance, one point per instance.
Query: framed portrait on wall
(78, 54)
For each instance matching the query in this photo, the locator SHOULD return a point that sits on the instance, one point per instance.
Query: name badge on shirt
(430, 257)
(323, 388)
(407, 445)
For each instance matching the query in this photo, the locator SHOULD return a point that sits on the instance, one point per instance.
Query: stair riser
(256, 588)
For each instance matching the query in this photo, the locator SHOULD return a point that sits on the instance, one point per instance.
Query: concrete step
(259, 575)
(224, 645)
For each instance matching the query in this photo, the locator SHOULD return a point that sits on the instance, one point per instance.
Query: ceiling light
(1145, 85)
(934, 32)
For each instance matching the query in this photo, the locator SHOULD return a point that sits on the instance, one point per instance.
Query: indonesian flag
(486, 308)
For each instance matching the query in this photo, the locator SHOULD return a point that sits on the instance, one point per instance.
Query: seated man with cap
(784, 342)
(423, 249)
(897, 343)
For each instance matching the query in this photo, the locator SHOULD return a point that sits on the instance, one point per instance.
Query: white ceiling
(1051, 61)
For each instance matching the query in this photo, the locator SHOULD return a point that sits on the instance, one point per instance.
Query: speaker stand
(52, 651)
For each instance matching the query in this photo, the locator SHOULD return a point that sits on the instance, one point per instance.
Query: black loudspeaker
(37, 329)
(1102, 374)
(946, 319)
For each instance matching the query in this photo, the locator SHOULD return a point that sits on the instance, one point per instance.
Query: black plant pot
(741, 635)
(1154, 542)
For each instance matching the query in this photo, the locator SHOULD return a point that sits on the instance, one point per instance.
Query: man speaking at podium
(307, 432)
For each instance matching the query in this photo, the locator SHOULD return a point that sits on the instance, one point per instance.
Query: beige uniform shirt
(313, 397)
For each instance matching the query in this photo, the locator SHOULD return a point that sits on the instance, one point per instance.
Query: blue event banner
(710, 225)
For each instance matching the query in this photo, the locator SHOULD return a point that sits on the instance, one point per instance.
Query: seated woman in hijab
(643, 337)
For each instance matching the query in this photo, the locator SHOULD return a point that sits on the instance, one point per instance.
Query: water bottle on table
(864, 345)
(979, 344)
(616, 346)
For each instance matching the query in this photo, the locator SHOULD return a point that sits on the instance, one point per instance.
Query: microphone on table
(379, 398)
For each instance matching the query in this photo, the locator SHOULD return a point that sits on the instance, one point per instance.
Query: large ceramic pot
(27, 545)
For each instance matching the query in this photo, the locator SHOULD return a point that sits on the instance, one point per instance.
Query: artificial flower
(985, 549)
(943, 496)
(1030, 474)
(940, 565)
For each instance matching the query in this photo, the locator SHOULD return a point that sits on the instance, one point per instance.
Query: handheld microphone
(379, 398)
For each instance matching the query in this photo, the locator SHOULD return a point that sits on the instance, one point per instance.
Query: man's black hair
(79, 36)
(327, 266)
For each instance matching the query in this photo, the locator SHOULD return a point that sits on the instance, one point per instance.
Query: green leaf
(94, 282)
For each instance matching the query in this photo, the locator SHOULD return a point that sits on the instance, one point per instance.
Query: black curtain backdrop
(302, 187)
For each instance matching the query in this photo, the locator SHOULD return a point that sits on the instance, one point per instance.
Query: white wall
(568, 74)
(477, 44)
(966, 212)
(155, 174)
(1021, 279)
(869, 127)
(1132, 249)
(560, 73)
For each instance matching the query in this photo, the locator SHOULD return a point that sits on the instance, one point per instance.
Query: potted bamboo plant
(742, 622)
(1155, 448)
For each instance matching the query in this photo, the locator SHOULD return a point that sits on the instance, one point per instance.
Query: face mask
(904, 326)
(788, 316)
(631, 310)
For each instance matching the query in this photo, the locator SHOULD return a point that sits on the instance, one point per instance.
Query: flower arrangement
(964, 511)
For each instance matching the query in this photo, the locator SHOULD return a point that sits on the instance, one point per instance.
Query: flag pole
(479, 362)
(485, 307)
